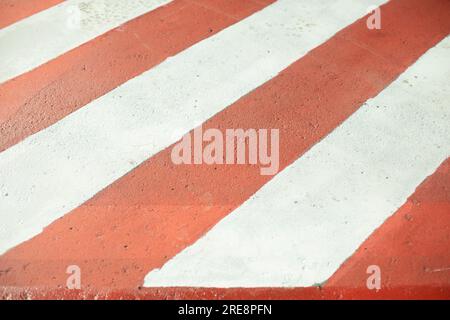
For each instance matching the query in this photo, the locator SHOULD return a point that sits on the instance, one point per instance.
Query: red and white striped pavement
(94, 94)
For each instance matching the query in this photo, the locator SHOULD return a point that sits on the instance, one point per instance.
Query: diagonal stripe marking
(299, 228)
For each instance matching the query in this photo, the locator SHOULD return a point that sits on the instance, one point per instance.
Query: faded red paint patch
(12, 11)
(412, 248)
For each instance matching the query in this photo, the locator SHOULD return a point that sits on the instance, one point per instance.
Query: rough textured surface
(412, 246)
(155, 211)
(333, 197)
(336, 293)
(50, 92)
(52, 32)
(12, 11)
(65, 166)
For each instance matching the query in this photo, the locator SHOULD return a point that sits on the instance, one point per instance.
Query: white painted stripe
(42, 37)
(59, 168)
(299, 228)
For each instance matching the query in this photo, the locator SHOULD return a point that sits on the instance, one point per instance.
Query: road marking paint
(333, 197)
(49, 33)
(41, 97)
(59, 168)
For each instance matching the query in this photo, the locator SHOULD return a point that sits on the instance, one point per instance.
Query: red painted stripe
(155, 211)
(411, 249)
(41, 97)
(413, 246)
(12, 11)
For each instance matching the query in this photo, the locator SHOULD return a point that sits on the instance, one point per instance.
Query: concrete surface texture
(94, 95)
